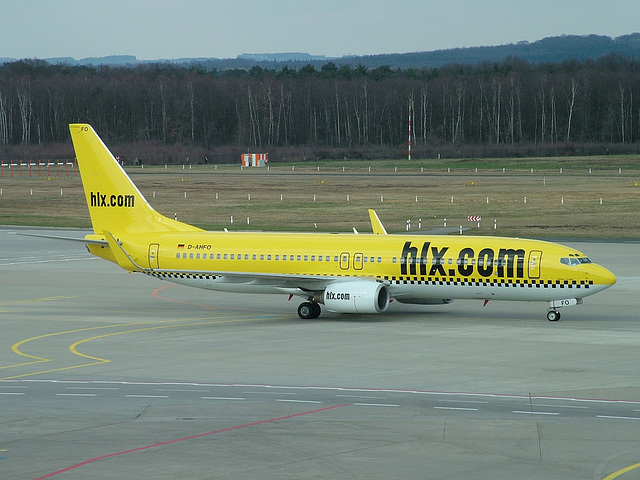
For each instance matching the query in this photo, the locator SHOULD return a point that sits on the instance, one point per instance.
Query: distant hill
(284, 57)
(550, 49)
(547, 50)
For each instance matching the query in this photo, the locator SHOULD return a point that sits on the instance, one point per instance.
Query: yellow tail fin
(115, 203)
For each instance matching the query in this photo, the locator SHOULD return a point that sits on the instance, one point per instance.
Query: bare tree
(571, 102)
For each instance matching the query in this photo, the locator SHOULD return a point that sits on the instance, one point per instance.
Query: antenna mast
(410, 115)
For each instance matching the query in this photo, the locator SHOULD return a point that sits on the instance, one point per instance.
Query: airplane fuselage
(413, 267)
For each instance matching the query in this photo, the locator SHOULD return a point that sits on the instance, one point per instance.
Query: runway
(110, 375)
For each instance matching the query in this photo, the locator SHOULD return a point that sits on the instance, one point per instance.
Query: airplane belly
(489, 290)
(222, 283)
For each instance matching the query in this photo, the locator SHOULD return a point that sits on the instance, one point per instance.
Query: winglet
(121, 256)
(376, 224)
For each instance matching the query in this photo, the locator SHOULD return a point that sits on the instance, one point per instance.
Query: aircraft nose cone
(602, 276)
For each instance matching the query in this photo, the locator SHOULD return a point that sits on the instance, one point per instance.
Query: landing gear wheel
(553, 315)
(308, 310)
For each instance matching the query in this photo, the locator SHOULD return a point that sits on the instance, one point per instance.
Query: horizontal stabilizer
(86, 241)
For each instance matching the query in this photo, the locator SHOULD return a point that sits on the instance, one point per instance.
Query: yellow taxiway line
(73, 348)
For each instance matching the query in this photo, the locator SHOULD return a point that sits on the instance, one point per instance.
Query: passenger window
(277, 257)
(225, 256)
(262, 256)
(191, 255)
(197, 256)
(218, 256)
(246, 256)
(184, 255)
(254, 257)
(306, 258)
(299, 257)
(291, 258)
(319, 258)
(268, 257)
(232, 257)
(379, 259)
(177, 255)
(394, 260)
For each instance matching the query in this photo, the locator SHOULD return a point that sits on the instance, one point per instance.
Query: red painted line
(199, 435)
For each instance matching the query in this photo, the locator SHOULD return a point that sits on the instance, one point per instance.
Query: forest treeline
(331, 111)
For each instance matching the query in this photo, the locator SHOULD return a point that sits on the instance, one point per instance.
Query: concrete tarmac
(107, 375)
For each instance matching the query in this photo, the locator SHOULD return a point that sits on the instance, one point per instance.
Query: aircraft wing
(286, 282)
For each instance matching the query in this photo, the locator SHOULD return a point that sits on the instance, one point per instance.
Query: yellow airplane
(346, 273)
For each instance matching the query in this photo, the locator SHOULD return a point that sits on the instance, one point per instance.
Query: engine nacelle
(358, 296)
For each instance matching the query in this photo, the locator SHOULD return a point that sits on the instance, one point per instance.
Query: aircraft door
(357, 261)
(344, 261)
(153, 256)
(534, 263)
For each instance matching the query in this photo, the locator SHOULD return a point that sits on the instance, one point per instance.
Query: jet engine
(358, 296)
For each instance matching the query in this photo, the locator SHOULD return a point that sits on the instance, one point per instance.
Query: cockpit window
(574, 261)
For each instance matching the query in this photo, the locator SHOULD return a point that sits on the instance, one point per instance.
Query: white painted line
(222, 398)
(458, 408)
(178, 390)
(618, 418)
(361, 396)
(271, 393)
(536, 413)
(147, 396)
(464, 401)
(11, 393)
(92, 388)
(296, 401)
(558, 406)
(77, 382)
(76, 394)
(376, 405)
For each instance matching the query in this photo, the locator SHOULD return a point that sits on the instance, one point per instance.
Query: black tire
(553, 315)
(305, 310)
(308, 310)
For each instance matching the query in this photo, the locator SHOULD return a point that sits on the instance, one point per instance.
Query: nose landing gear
(553, 315)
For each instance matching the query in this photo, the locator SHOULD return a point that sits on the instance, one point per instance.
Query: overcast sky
(163, 29)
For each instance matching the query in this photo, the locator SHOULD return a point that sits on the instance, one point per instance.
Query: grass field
(595, 197)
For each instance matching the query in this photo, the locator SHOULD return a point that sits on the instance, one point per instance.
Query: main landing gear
(553, 315)
(308, 310)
